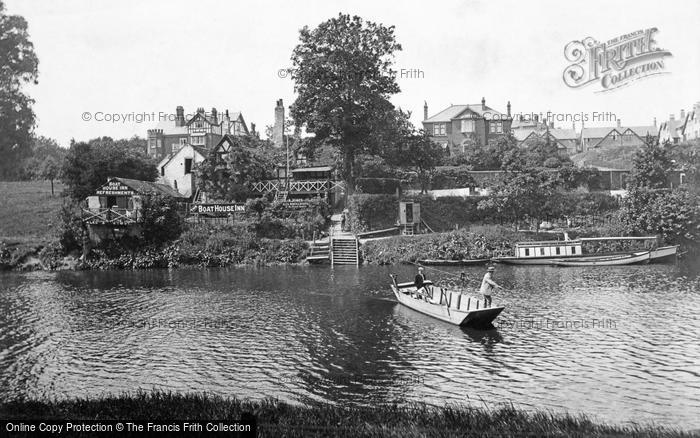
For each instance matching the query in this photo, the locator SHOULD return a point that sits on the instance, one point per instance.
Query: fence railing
(113, 215)
(298, 186)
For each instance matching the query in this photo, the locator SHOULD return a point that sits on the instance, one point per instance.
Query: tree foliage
(343, 77)
(231, 178)
(19, 67)
(88, 164)
(652, 164)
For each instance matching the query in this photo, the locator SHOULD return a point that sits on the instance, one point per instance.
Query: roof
(148, 187)
(313, 169)
(596, 132)
(522, 134)
(563, 134)
(643, 131)
(455, 111)
(204, 152)
(168, 127)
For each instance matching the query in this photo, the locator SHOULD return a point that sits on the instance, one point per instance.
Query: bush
(387, 186)
(372, 212)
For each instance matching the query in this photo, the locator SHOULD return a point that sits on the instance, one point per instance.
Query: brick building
(203, 130)
(460, 126)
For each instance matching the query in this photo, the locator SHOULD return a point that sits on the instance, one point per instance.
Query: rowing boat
(442, 262)
(616, 260)
(449, 306)
(662, 254)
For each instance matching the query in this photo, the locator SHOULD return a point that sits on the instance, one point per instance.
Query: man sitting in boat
(419, 281)
(488, 286)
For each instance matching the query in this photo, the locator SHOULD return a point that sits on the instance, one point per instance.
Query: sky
(141, 59)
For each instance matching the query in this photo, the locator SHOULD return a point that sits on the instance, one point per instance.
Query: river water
(621, 344)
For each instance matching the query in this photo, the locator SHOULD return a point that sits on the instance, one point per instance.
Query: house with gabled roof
(459, 126)
(691, 127)
(200, 129)
(176, 170)
(628, 136)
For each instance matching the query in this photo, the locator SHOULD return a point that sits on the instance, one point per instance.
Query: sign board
(115, 188)
(217, 209)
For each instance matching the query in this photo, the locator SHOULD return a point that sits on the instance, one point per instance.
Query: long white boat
(450, 306)
(615, 260)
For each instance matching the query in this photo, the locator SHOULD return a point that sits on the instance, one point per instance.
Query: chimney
(214, 116)
(483, 104)
(252, 128)
(425, 110)
(278, 127)
(179, 116)
(682, 115)
(654, 122)
(619, 123)
(508, 106)
(672, 117)
(200, 110)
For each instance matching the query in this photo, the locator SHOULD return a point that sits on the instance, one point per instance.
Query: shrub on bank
(483, 243)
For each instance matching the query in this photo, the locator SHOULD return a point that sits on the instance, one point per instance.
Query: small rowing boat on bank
(613, 260)
(442, 262)
(663, 254)
(450, 306)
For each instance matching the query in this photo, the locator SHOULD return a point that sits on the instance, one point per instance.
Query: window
(499, 127)
(496, 127)
(527, 252)
(682, 178)
(183, 141)
(467, 126)
(439, 129)
(188, 166)
(573, 250)
(541, 251)
(198, 140)
(558, 250)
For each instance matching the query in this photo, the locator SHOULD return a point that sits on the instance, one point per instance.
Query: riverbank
(276, 418)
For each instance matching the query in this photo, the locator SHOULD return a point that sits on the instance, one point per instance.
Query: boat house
(304, 183)
(551, 248)
(116, 208)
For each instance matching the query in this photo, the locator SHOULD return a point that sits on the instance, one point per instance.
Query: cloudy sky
(135, 57)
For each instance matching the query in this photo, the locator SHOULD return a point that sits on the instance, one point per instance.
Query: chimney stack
(654, 122)
(672, 117)
(425, 110)
(252, 129)
(179, 116)
(483, 104)
(508, 106)
(682, 115)
(278, 127)
(619, 123)
(214, 116)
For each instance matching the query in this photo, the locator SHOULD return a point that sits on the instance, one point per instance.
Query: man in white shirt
(488, 286)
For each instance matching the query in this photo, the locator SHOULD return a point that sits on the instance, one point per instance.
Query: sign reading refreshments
(115, 188)
(217, 209)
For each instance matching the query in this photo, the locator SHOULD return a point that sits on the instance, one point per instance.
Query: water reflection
(619, 342)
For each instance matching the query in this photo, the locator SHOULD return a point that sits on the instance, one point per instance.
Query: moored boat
(442, 262)
(662, 254)
(613, 260)
(450, 306)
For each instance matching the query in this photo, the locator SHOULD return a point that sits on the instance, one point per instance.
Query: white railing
(299, 186)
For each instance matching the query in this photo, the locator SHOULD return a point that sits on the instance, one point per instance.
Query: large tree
(88, 165)
(652, 165)
(343, 77)
(19, 66)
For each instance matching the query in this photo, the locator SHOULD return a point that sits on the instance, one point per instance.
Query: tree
(19, 67)
(343, 77)
(651, 167)
(88, 165)
(50, 169)
(420, 154)
(232, 178)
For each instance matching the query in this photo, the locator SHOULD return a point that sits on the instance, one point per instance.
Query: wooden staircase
(319, 252)
(345, 251)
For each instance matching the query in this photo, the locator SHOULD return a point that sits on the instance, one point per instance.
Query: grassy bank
(276, 419)
(27, 219)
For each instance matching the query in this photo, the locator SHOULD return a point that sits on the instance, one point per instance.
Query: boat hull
(641, 257)
(471, 317)
(663, 254)
(431, 262)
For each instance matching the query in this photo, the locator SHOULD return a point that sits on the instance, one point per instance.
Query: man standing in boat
(488, 286)
(420, 283)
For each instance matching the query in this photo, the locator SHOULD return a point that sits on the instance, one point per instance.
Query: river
(618, 343)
